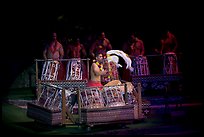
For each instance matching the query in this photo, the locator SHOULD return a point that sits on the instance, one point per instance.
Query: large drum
(170, 64)
(50, 97)
(50, 70)
(140, 66)
(91, 98)
(74, 69)
(130, 92)
(121, 86)
(130, 87)
(113, 96)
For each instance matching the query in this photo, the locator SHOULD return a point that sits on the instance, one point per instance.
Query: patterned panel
(68, 83)
(155, 81)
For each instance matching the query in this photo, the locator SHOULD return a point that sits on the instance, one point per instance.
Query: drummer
(168, 43)
(97, 71)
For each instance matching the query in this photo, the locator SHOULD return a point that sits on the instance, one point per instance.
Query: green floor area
(21, 93)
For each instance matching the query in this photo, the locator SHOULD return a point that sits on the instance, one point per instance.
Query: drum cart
(52, 105)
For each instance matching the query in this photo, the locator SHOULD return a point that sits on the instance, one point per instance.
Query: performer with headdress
(99, 71)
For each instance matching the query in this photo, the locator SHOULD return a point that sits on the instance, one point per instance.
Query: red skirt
(94, 84)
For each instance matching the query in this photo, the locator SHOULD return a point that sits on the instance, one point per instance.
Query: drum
(53, 98)
(70, 98)
(74, 69)
(50, 70)
(170, 65)
(130, 87)
(116, 83)
(121, 86)
(130, 91)
(50, 97)
(140, 66)
(91, 98)
(113, 96)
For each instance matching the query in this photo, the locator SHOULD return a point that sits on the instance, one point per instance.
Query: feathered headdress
(115, 59)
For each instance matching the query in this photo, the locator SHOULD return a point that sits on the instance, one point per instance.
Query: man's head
(132, 37)
(54, 35)
(103, 35)
(99, 57)
(77, 41)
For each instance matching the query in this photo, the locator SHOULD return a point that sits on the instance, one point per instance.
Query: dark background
(27, 24)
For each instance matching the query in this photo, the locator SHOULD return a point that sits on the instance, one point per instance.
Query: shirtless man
(97, 71)
(54, 49)
(101, 45)
(169, 43)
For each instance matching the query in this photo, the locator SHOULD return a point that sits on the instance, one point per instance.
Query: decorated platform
(157, 81)
(44, 115)
(109, 114)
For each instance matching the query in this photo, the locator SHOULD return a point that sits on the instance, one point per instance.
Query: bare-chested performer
(97, 71)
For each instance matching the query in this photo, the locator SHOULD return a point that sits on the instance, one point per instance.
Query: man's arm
(162, 46)
(91, 51)
(84, 54)
(61, 51)
(45, 54)
(176, 44)
(97, 71)
(143, 50)
(109, 46)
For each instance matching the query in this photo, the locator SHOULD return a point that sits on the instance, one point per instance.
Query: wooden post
(39, 89)
(36, 79)
(79, 104)
(63, 107)
(66, 111)
(126, 95)
(139, 89)
(88, 68)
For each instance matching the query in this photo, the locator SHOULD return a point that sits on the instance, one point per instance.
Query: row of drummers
(76, 68)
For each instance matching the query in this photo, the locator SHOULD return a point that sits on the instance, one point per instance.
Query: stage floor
(171, 121)
(162, 120)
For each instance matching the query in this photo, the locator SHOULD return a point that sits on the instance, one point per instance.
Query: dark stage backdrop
(27, 28)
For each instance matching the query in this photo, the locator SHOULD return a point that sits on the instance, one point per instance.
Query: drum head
(130, 87)
(169, 53)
